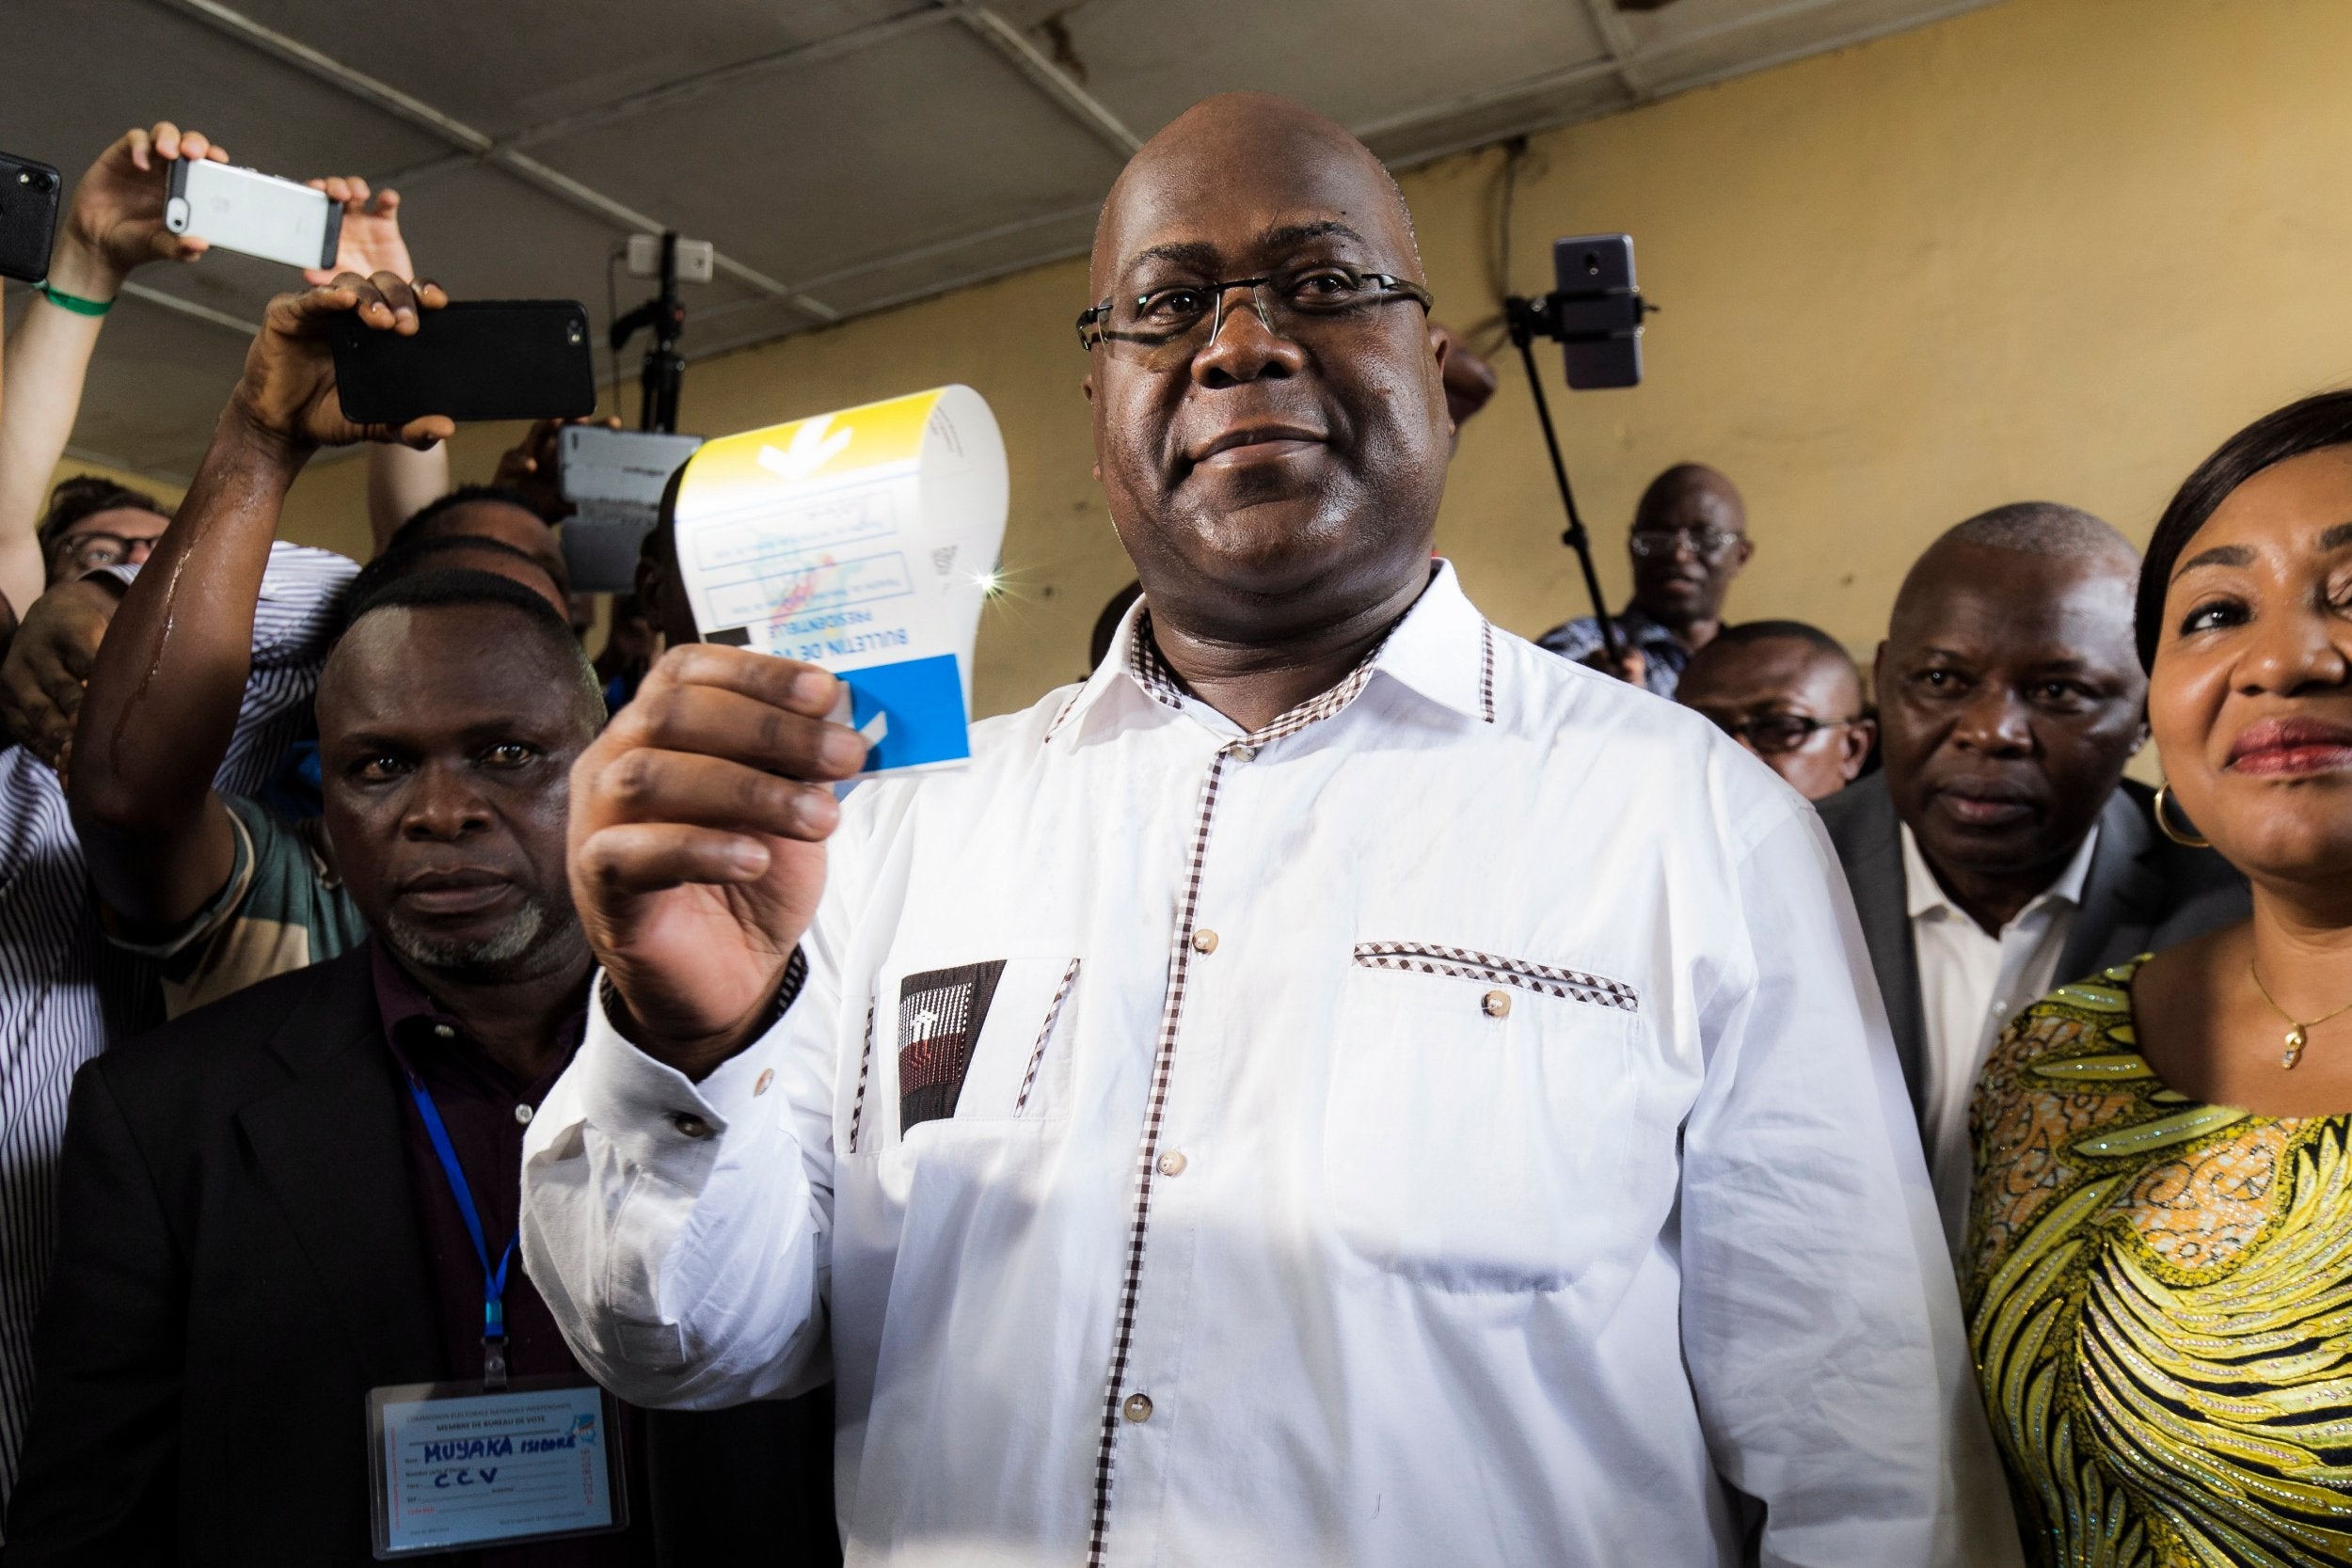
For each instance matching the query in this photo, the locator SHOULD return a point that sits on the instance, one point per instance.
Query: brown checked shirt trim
(1152, 671)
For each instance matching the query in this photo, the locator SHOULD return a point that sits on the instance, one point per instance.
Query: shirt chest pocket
(1480, 1131)
(968, 1042)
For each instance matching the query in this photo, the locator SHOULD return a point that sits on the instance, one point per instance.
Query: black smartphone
(1596, 271)
(29, 194)
(471, 359)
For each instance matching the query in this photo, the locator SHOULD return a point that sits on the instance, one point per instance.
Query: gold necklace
(2298, 1035)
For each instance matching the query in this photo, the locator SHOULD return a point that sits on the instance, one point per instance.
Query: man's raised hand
(48, 664)
(115, 222)
(698, 821)
(288, 388)
(370, 241)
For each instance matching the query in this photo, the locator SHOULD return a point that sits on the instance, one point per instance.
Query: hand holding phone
(289, 387)
(114, 224)
(369, 240)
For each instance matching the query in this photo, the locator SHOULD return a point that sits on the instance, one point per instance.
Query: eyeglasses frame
(1675, 537)
(1392, 289)
(1812, 727)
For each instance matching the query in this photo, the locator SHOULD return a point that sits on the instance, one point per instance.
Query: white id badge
(456, 1467)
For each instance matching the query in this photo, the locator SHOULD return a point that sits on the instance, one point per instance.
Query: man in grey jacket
(1999, 852)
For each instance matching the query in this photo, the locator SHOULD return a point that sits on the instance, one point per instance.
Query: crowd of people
(1340, 1083)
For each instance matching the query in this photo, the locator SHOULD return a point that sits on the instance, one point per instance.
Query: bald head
(2069, 545)
(1237, 131)
(1689, 488)
(1272, 458)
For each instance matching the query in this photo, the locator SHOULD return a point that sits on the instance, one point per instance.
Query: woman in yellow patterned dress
(2158, 1272)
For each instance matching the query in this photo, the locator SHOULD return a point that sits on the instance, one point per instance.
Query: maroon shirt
(486, 1109)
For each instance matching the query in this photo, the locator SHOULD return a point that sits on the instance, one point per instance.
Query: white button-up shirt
(1452, 1125)
(1971, 984)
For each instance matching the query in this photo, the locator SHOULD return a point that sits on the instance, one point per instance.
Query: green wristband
(75, 303)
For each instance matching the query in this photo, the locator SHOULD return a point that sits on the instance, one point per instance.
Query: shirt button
(1204, 942)
(445, 1031)
(522, 1114)
(1173, 1163)
(1496, 1003)
(1137, 1409)
(690, 1124)
(1240, 753)
(767, 1076)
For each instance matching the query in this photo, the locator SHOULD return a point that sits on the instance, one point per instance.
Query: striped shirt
(64, 991)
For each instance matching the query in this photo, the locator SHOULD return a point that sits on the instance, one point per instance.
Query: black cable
(612, 314)
(1489, 334)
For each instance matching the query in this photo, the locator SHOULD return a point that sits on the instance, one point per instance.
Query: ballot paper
(865, 542)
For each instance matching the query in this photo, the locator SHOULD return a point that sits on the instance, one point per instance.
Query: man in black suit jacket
(259, 1218)
(243, 1260)
(1995, 855)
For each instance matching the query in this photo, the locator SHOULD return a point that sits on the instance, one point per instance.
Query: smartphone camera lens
(572, 334)
(1592, 263)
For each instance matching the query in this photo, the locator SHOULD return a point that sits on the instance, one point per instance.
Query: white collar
(1926, 895)
(1442, 648)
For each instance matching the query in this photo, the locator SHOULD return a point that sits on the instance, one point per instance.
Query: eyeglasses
(90, 550)
(1167, 323)
(1707, 543)
(1774, 735)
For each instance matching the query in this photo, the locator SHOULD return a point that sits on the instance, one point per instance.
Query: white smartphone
(256, 213)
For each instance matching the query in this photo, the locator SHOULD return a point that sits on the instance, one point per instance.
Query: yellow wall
(2054, 249)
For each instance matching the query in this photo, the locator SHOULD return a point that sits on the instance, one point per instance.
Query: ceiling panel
(1362, 62)
(804, 173)
(502, 65)
(93, 69)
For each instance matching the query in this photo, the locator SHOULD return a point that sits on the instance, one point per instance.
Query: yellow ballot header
(861, 541)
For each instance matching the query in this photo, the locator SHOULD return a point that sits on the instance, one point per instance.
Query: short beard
(503, 954)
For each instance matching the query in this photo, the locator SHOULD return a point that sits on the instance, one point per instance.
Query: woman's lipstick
(2290, 747)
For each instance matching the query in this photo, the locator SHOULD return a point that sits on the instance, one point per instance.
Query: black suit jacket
(2143, 893)
(240, 1263)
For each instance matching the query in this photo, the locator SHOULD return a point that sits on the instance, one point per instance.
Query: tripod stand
(1574, 316)
(666, 368)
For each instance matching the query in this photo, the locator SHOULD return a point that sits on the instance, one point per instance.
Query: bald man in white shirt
(1340, 1086)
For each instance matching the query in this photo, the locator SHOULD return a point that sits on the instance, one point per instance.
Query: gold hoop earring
(2164, 824)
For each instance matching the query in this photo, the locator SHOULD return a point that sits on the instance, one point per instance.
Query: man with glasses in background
(1790, 693)
(1690, 538)
(94, 523)
(1340, 1086)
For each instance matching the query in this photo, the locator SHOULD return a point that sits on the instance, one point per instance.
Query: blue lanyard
(493, 1279)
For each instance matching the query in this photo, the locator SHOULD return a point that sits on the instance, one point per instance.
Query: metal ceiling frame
(1617, 39)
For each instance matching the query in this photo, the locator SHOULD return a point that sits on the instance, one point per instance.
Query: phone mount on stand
(1574, 316)
(666, 368)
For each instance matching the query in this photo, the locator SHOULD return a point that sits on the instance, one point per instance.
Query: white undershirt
(1970, 986)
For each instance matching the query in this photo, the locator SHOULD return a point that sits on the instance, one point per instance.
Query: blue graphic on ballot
(911, 713)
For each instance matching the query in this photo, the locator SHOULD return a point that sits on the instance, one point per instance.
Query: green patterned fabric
(2159, 1301)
